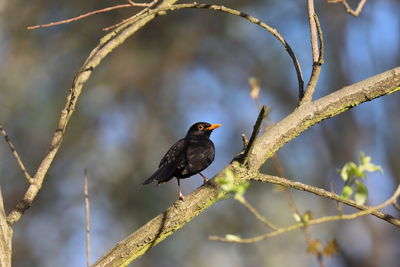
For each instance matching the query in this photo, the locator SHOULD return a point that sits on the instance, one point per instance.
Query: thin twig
(281, 172)
(143, 11)
(292, 205)
(16, 156)
(339, 205)
(323, 193)
(245, 141)
(107, 9)
(256, 130)
(354, 12)
(317, 52)
(313, 30)
(87, 213)
(320, 40)
(258, 215)
(352, 216)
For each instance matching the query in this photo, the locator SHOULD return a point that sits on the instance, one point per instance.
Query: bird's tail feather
(162, 175)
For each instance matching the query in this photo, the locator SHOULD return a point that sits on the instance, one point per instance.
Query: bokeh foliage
(192, 65)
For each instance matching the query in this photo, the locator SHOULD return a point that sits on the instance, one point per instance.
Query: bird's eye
(200, 127)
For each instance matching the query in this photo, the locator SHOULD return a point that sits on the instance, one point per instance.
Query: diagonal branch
(323, 193)
(256, 130)
(91, 13)
(107, 44)
(314, 112)
(143, 11)
(354, 12)
(370, 210)
(181, 212)
(15, 154)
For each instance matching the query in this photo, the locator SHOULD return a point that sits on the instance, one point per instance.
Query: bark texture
(307, 115)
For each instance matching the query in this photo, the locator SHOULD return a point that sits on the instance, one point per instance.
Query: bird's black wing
(173, 159)
(200, 154)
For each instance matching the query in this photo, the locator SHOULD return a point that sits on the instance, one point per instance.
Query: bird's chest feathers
(199, 153)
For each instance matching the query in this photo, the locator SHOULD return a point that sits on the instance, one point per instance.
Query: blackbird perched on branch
(188, 156)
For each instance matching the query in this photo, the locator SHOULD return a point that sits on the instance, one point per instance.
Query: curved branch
(181, 212)
(107, 44)
(274, 32)
(15, 154)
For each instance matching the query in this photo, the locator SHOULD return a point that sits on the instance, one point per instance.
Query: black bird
(188, 156)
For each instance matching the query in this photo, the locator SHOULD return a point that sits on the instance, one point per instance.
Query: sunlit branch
(107, 44)
(354, 12)
(107, 9)
(274, 32)
(323, 193)
(143, 11)
(316, 51)
(325, 219)
(256, 213)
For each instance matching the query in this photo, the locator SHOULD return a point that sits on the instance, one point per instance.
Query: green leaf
(234, 238)
(227, 184)
(367, 166)
(349, 170)
(361, 193)
(364, 159)
(307, 216)
(241, 189)
(347, 192)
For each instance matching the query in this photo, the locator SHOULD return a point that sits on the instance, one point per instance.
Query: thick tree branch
(314, 112)
(107, 44)
(266, 145)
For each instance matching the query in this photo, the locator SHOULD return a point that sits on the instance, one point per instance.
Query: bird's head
(202, 128)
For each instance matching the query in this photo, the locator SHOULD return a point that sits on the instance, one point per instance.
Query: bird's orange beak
(213, 126)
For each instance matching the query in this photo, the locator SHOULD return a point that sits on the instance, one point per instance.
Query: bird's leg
(181, 196)
(204, 178)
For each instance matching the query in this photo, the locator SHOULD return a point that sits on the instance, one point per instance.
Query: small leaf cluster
(353, 174)
(227, 184)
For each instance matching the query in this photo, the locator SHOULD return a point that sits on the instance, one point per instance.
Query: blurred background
(189, 66)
